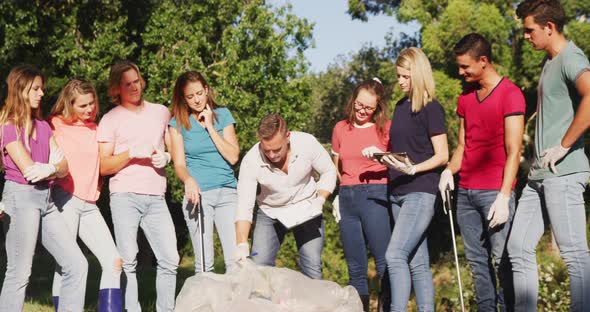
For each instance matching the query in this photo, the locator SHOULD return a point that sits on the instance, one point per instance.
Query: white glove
(141, 151)
(552, 155)
(160, 159)
(446, 178)
(499, 211)
(403, 167)
(242, 251)
(1, 210)
(369, 151)
(56, 156)
(39, 171)
(336, 208)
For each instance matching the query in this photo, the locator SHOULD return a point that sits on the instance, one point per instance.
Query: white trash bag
(252, 288)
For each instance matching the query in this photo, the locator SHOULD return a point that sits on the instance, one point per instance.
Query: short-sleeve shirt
(557, 103)
(80, 148)
(411, 133)
(484, 157)
(203, 161)
(126, 129)
(348, 142)
(39, 148)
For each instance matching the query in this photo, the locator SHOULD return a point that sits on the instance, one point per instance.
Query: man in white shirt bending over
(282, 164)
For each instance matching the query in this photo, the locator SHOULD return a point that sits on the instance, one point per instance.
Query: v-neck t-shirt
(203, 160)
(126, 129)
(484, 156)
(39, 151)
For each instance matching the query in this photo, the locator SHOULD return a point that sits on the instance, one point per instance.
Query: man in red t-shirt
(491, 111)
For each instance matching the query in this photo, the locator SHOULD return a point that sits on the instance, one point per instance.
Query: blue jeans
(563, 201)
(364, 211)
(150, 212)
(84, 219)
(219, 206)
(309, 237)
(407, 254)
(481, 244)
(25, 205)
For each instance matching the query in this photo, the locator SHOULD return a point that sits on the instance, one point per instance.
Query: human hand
(1, 210)
(242, 251)
(192, 190)
(318, 203)
(206, 117)
(141, 151)
(39, 171)
(369, 151)
(405, 167)
(336, 208)
(160, 159)
(499, 210)
(446, 179)
(551, 156)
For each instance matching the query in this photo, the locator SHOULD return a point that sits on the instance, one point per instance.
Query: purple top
(410, 132)
(39, 148)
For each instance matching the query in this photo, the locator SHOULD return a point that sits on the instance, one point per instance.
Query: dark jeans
(484, 246)
(364, 219)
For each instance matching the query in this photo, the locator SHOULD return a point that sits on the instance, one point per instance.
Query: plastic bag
(252, 288)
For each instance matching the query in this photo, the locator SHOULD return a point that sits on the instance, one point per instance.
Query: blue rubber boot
(109, 300)
(55, 302)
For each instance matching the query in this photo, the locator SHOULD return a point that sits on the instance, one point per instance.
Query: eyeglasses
(360, 106)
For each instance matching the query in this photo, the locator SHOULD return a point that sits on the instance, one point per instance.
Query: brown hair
(17, 107)
(475, 45)
(380, 114)
(270, 125)
(543, 11)
(180, 109)
(65, 102)
(117, 71)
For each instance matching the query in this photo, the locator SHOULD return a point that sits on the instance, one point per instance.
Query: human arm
(247, 185)
(439, 158)
(191, 187)
(513, 133)
(324, 166)
(60, 161)
(226, 144)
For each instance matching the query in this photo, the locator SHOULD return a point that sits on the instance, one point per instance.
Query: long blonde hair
(17, 106)
(422, 81)
(64, 107)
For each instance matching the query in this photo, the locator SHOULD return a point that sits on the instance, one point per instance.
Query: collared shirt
(282, 192)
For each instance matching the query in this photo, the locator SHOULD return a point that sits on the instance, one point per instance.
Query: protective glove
(39, 171)
(446, 178)
(55, 156)
(336, 208)
(242, 251)
(551, 156)
(160, 159)
(369, 151)
(1, 210)
(405, 167)
(141, 151)
(499, 210)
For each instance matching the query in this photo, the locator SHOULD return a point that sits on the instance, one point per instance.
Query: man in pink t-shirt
(131, 143)
(491, 113)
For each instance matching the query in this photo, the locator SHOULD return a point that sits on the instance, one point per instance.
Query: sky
(335, 33)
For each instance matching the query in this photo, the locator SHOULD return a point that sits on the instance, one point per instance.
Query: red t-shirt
(484, 156)
(348, 142)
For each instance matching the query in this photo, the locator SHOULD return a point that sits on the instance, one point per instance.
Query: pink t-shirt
(125, 129)
(80, 148)
(348, 142)
(484, 156)
(39, 148)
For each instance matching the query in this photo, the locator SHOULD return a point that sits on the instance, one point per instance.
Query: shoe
(365, 299)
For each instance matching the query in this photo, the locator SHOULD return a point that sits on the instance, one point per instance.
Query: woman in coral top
(364, 211)
(75, 195)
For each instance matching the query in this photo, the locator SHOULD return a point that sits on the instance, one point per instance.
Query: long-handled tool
(448, 206)
(198, 209)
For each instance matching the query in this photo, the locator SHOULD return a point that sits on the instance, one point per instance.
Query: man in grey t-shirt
(560, 171)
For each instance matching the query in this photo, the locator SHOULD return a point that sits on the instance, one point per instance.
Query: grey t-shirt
(557, 102)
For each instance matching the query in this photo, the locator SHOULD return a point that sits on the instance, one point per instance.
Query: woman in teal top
(204, 147)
